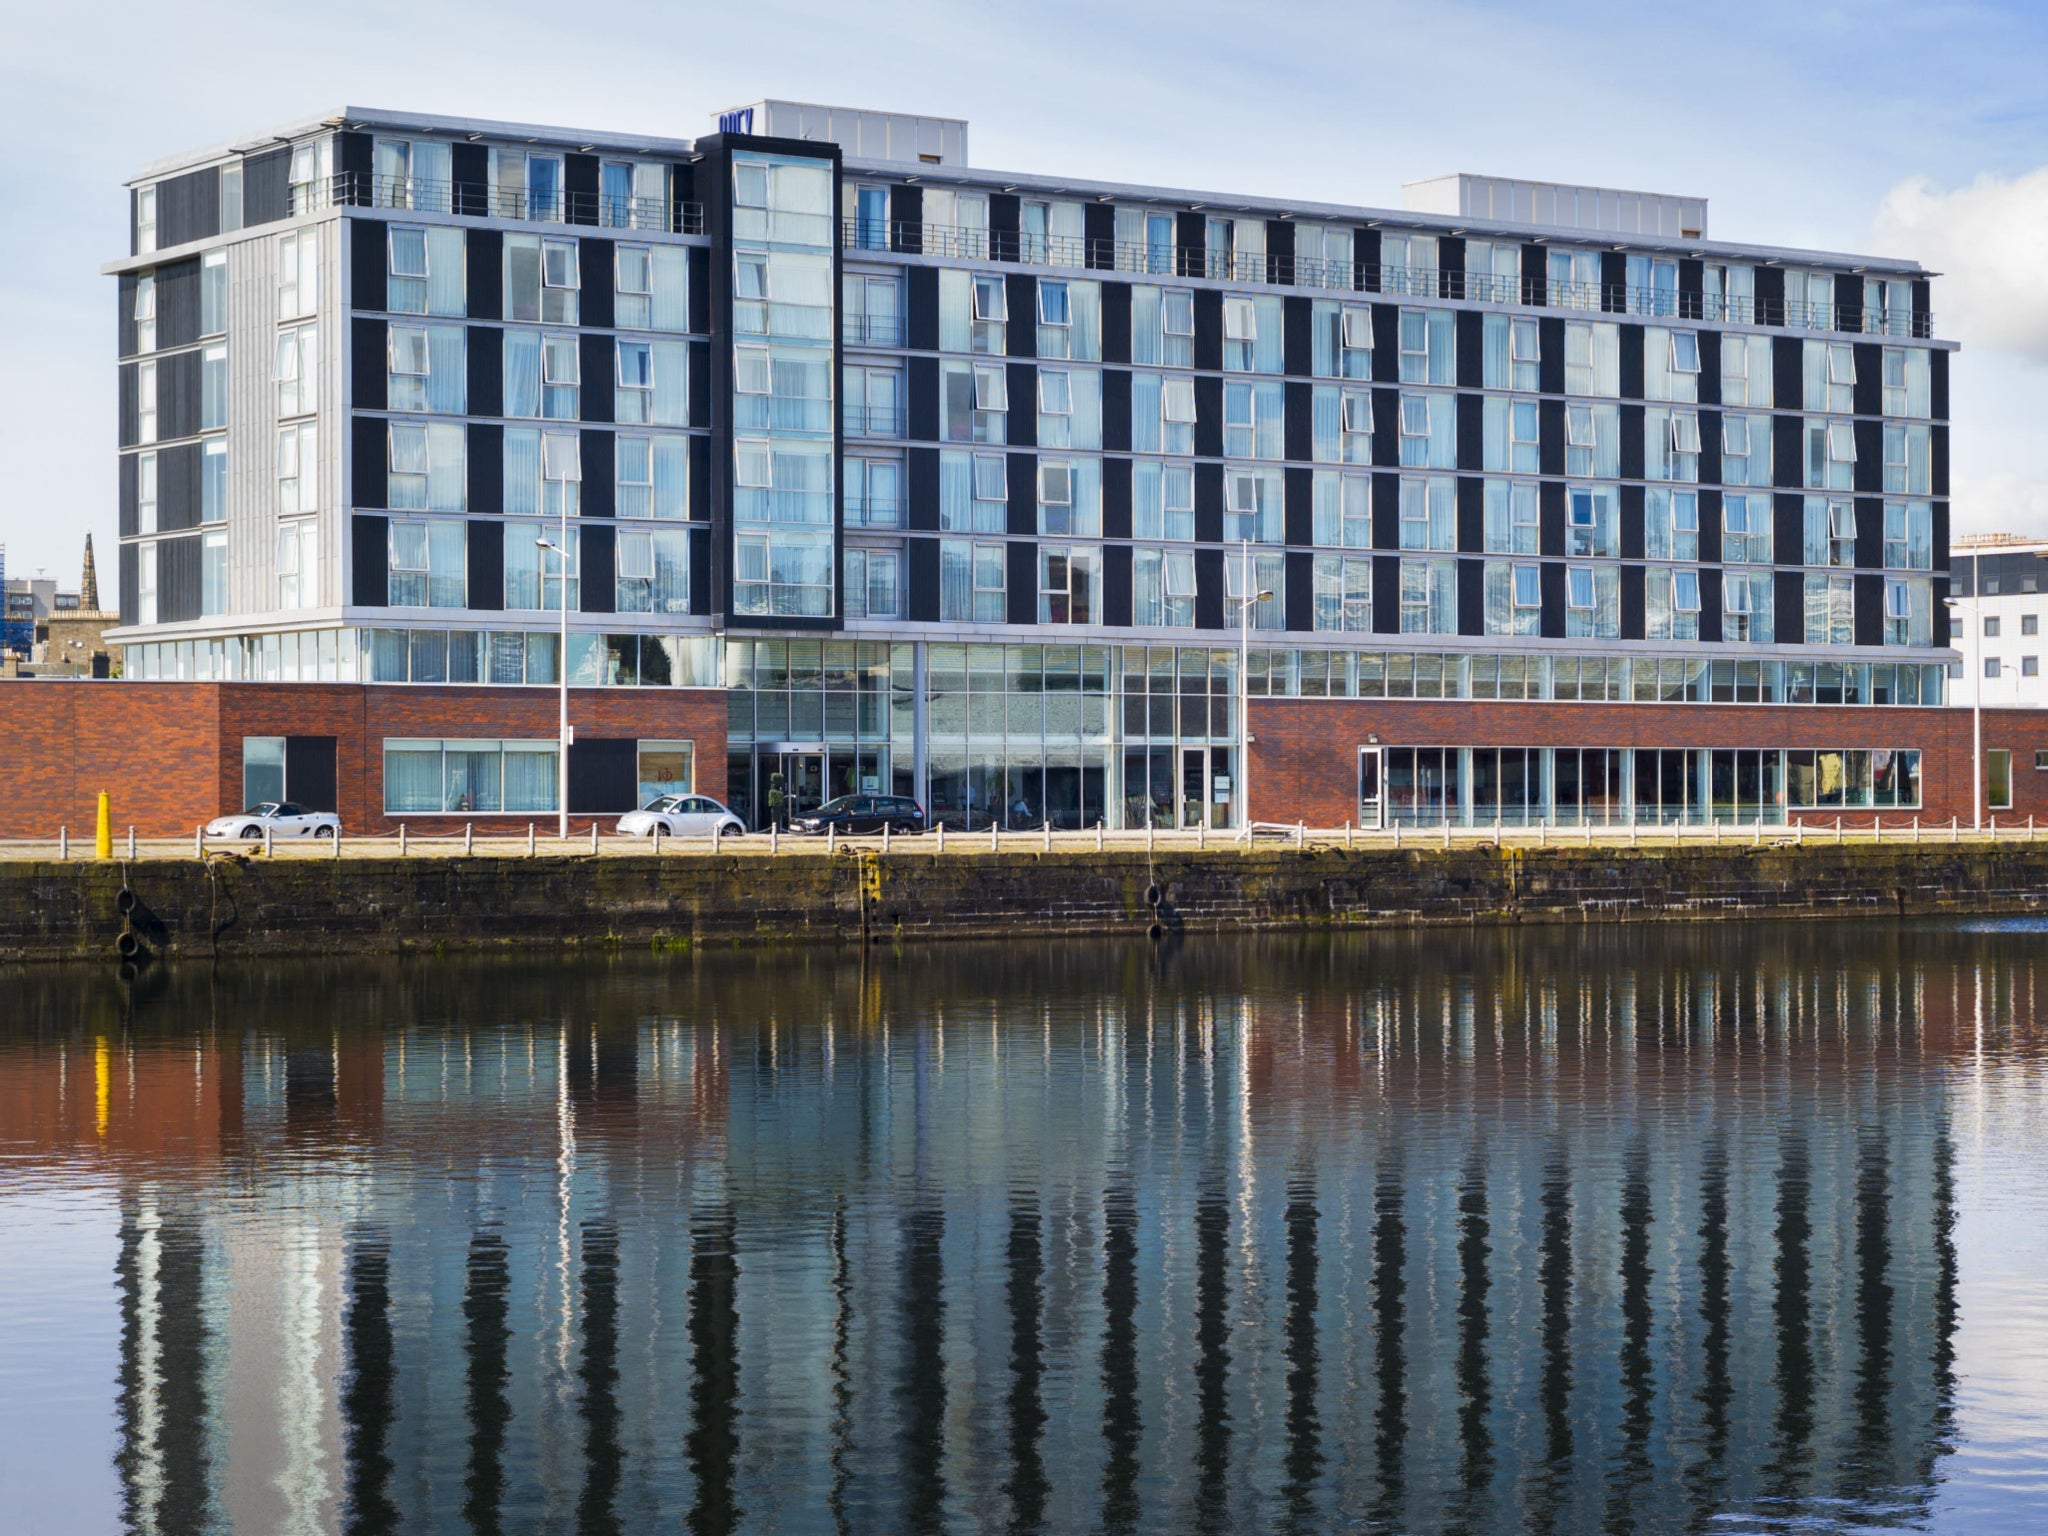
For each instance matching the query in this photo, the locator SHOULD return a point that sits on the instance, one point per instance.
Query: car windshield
(836, 807)
(664, 803)
(267, 808)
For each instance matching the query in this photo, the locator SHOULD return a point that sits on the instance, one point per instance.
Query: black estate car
(863, 813)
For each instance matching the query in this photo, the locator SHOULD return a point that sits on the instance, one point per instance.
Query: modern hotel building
(1034, 497)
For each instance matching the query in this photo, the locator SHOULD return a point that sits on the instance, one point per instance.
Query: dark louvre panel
(486, 467)
(130, 479)
(1692, 288)
(124, 318)
(1551, 615)
(684, 219)
(1632, 522)
(594, 356)
(1298, 347)
(177, 580)
(921, 309)
(188, 208)
(1004, 214)
(1471, 515)
(1386, 514)
(486, 562)
(1116, 585)
(354, 163)
(597, 586)
(1298, 506)
(1550, 436)
(370, 366)
(1208, 328)
(1710, 447)
(470, 169)
(130, 580)
(1869, 392)
(177, 488)
(1790, 604)
(1386, 428)
(906, 231)
(266, 187)
(1023, 387)
(1190, 234)
(1788, 370)
(1631, 417)
(1365, 259)
(1710, 367)
(486, 250)
(1788, 452)
(1208, 417)
(1788, 530)
(369, 460)
(1386, 344)
(1450, 267)
(1020, 580)
(700, 297)
(127, 427)
(1471, 349)
(604, 776)
(700, 570)
(1209, 589)
(1536, 284)
(1116, 324)
(1614, 282)
(1386, 594)
(177, 304)
(177, 396)
(1022, 296)
(1208, 502)
(1298, 425)
(1869, 611)
(600, 474)
(921, 488)
(579, 183)
(1116, 498)
(1710, 608)
(595, 301)
(309, 772)
(1870, 534)
(1710, 526)
(700, 486)
(700, 384)
(1098, 227)
(1471, 597)
(924, 581)
(485, 346)
(1280, 256)
(1937, 384)
(1116, 410)
(1300, 590)
(1870, 457)
(1023, 488)
(1631, 362)
(1944, 633)
(1634, 605)
(367, 265)
(1550, 518)
(1923, 322)
(1550, 362)
(1471, 432)
(1937, 458)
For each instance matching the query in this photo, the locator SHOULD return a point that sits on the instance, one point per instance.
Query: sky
(1896, 127)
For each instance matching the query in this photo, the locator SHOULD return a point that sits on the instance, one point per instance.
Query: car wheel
(252, 834)
(327, 832)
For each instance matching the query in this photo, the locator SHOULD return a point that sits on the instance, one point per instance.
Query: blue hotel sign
(741, 121)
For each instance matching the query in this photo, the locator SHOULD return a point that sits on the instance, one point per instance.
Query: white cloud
(2000, 503)
(1985, 239)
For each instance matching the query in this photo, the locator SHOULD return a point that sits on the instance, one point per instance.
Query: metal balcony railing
(468, 199)
(975, 244)
(872, 330)
(873, 420)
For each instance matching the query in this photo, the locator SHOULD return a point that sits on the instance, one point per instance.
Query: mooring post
(199, 841)
(131, 845)
(63, 844)
(942, 837)
(593, 835)
(468, 839)
(885, 835)
(529, 839)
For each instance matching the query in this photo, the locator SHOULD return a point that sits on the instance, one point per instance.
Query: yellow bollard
(103, 830)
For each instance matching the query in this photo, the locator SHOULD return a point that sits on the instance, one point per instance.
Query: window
(1909, 541)
(1579, 587)
(213, 293)
(1429, 597)
(870, 584)
(1240, 333)
(1747, 607)
(1830, 610)
(1671, 524)
(542, 279)
(1254, 418)
(1511, 353)
(1998, 779)
(651, 288)
(428, 467)
(1671, 365)
(1672, 444)
(145, 584)
(1408, 264)
(298, 469)
(1907, 391)
(1671, 603)
(1343, 340)
(1343, 594)
(1592, 440)
(426, 274)
(971, 582)
(1591, 522)
(145, 312)
(561, 468)
(1511, 436)
(1355, 442)
(1252, 505)
(298, 274)
(1163, 588)
(1514, 598)
(1746, 525)
(1991, 666)
(976, 400)
(1830, 377)
(1592, 359)
(1268, 595)
(1593, 606)
(428, 563)
(1810, 299)
(1652, 285)
(1055, 319)
(1428, 346)
(1429, 513)
(991, 316)
(1176, 309)
(1177, 415)
(312, 172)
(470, 776)
(407, 348)
(145, 402)
(561, 377)
(145, 220)
(1906, 460)
(1511, 518)
(2030, 624)
(1830, 531)
(1055, 496)
(652, 571)
(1991, 626)
(1429, 436)
(1163, 500)
(1493, 271)
(1055, 408)
(1746, 370)
(1574, 278)
(1830, 455)
(145, 493)
(298, 563)
(633, 401)
(1745, 450)
(653, 476)
(633, 194)
(298, 371)
(213, 573)
(2030, 666)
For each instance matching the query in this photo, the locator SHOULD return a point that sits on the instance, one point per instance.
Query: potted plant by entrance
(777, 798)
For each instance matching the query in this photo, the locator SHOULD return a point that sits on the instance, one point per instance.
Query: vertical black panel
(266, 186)
(1710, 367)
(1789, 592)
(1471, 597)
(1710, 527)
(1770, 296)
(1937, 458)
(1869, 476)
(1536, 281)
(921, 309)
(1788, 372)
(486, 274)
(129, 484)
(1098, 228)
(1116, 410)
(1386, 593)
(594, 355)
(1365, 258)
(1614, 282)
(604, 777)
(1788, 529)
(177, 396)
(177, 304)
(579, 184)
(1299, 429)
(1021, 333)
(1023, 385)
(354, 165)
(1022, 480)
(1116, 585)
(1386, 428)
(1299, 519)
(1634, 612)
(1550, 443)
(1869, 613)
(128, 426)
(595, 263)
(470, 171)
(699, 363)
(1280, 257)
(921, 393)
(1943, 625)
(1550, 518)
(921, 488)
(1631, 362)
(1208, 417)
(1937, 384)
(1471, 515)
(1849, 303)
(1116, 322)
(1869, 534)
(368, 263)
(309, 772)
(700, 293)
(369, 364)
(1710, 447)
(1297, 334)
(1005, 224)
(600, 473)
(1550, 365)
(1116, 498)
(924, 580)
(370, 539)
(1631, 417)
(1450, 267)
(486, 564)
(124, 318)
(1692, 288)
(700, 486)
(1190, 238)
(598, 576)
(1209, 589)
(1020, 581)
(196, 203)
(1923, 321)
(177, 488)
(1386, 344)
(1471, 349)
(1551, 614)
(1868, 396)
(906, 221)
(1300, 590)
(1710, 605)
(1208, 502)
(700, 570)
(1788, 452)
(1471, 444)
(485, 346)
(369, 460)
(129, 580)
(1386, 513)
(1208, 328)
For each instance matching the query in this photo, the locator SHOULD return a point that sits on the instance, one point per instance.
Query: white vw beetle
(681, 816)
(280, 817)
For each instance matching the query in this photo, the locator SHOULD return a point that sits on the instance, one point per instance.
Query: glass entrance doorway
(1369, 801)
(789, 781)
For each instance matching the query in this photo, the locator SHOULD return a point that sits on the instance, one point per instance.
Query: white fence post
(131, 845)
(337, 841)
(885, 835)
(199, 842)
(529, 839)
(774, 837)
(942, 837)
(468, 839)
(63, 844)
(266, 839)
(717, 835)
(401, 839)
(593, 836)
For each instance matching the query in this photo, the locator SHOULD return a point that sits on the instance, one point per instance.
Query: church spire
(89, 582)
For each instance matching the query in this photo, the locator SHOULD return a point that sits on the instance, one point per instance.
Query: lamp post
(1247, 598)
(1955, 605)
(561, 675)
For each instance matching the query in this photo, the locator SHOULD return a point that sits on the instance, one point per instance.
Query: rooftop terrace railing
(481, 200)
(970, 243)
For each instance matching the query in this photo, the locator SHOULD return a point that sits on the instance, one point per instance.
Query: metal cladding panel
(600, 473)
(486, 467)
(1710, 367)
(129, 561)
(923, 557)
(177, 304)
(597, 587)
(486, 251)
(1020, 579)
(1116, 410)
(921, 489)
(370, 543)
(1022, 382)
(1634, 602)
(1022, 484)
(1300, 590)
(1710, 526)
(484, 347)
(266, 187)
(1789, 602)
(1116, 322)
(368, 267)
(1551, 615)
(1299, 506)
(1116, 585)
(594, 358)
(369, 459)
(596, 266)
(178, 580)
(1631, 362)
(1021, 334)
(370, 363)
(486, 564)
(309, 777)
(1116, 498)
(1386, 594)
(604, 776)
(1209, 589)
(1471, 597)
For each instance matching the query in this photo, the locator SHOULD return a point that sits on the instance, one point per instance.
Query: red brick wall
(1304, 761)
(170, 754)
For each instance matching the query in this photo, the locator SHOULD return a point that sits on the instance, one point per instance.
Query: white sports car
(281, 817)
(681, 816)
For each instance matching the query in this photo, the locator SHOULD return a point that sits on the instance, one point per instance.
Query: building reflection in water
(1546, 1233)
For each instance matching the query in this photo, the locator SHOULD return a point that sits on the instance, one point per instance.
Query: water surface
(1670, 1229)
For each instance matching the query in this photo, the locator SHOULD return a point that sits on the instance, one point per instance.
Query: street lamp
(1246, 601)
(561, 675)
(1955, 605)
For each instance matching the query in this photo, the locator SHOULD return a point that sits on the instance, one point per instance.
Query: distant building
(52, 633)
(2001, 592)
